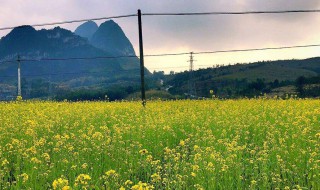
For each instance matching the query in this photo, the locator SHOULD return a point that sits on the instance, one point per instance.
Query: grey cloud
(283, 4)
(220, 32)
(195, 33)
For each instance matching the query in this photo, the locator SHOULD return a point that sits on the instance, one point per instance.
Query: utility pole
(143, 91)
(50, 85)
(191, 85)
(19, 76)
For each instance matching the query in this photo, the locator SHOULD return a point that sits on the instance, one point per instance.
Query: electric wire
(170, 14)
(79, 58)
(231, 13)
(234, 50)
(167, 54)
(69, 73)
(72, 21)
(69, 58)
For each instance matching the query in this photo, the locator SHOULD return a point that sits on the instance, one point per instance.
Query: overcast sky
(167, 34)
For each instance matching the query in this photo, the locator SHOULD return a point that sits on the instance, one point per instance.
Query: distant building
(171, 72)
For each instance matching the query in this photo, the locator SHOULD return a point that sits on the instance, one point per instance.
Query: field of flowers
(205, 144)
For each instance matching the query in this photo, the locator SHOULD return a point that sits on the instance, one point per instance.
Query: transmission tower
(191, 83)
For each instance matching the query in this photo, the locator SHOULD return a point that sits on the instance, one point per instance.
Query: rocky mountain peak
(111, 38)
(87, 29)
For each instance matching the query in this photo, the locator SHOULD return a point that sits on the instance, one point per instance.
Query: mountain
(58, 72)
(111, 38)
(56, 43)
(87, 29)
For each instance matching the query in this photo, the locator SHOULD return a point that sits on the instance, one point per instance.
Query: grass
(208, 144)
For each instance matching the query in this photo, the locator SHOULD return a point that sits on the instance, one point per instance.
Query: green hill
(243, 79)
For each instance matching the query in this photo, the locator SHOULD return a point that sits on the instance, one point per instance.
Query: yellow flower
(82, 180)
(149, 158)
(197, 157)
(155, 177)
(19, 98)
(128, 182)
(25, 177)
(111, 173)
(61, 184)
(66, 188)
(142, 186)
(210, 165)
(97, 135)
(84, 166)
(46, 157)
(182, 143)
(35, 160)
(143, 151)
(167, 150)
(5, 162)
(195, 167)
(73, 167)
(196, 147)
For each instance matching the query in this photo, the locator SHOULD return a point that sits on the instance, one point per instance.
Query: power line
(258, 49)
(165, 54)
(73, 21)
(70, 73)
(78, 73)
(171, 67)
(170, 14)
(70, 58)
(80, 58)
(11, 61)
(231, 13)
(235, 50)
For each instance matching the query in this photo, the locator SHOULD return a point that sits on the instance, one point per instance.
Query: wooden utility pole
(143, 91)
(19, 77)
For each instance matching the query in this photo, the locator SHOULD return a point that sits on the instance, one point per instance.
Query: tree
(300, 82)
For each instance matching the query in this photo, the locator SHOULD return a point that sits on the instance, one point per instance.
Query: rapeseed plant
(207, 144)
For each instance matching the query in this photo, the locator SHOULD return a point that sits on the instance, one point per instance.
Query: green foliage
(308, 87)
(244, 80)
(111, 94)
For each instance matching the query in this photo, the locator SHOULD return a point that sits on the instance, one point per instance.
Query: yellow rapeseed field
(187, 144)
